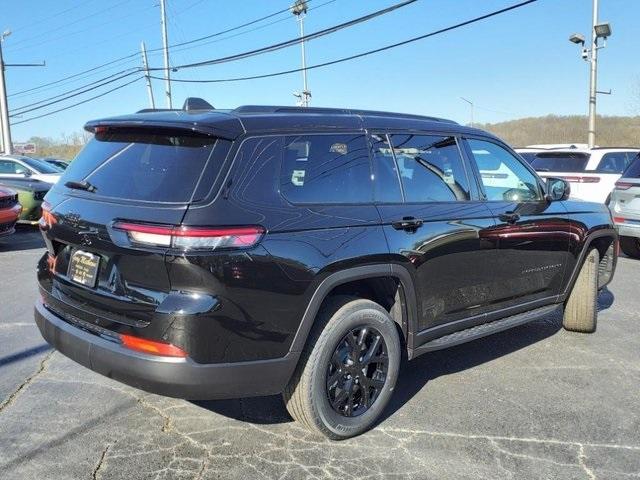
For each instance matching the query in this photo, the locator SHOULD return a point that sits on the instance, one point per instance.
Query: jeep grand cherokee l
(303, 251)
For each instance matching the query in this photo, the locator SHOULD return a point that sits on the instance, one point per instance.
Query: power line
(294, 41)
(48, 31)
(333, 62)
(135, 55)
(280, 20)
(105, 81)
(240, 55)
(78, 103)
(49, 17)
(363, 54)
(72, 76)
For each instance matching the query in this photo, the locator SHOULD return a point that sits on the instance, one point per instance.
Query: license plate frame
(83, 268)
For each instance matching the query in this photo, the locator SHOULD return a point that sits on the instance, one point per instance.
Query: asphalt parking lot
(533, 402)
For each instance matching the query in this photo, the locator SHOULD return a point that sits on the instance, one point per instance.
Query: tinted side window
(386, 176)
(634, 169)
(7, 166)
(431, 168)
(326, 169)
(504, 177)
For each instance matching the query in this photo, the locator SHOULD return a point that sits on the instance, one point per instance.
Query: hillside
(610, 131)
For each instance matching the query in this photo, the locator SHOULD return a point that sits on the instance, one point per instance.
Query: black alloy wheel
(357, 371)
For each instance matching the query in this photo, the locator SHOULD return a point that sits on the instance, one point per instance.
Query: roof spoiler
(191, 104)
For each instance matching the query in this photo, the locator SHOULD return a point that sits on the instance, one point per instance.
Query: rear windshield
(528, 156)
(560, 162)
(142, 166)
(634, 169)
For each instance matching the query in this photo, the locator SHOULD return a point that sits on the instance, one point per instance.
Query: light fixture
(603, 30)
(577, 38)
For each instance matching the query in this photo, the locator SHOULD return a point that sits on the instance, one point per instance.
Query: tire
(630, 246)
(314, 398)
(581, 309)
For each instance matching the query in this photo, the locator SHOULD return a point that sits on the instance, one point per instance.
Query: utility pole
(167, 72)
(299, 9)
(4, 108)
(471, 105)
(593, 77)
(5, 126)
(590, 55)
(145, 66)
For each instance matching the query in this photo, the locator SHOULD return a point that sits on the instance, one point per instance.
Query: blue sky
(516, 65)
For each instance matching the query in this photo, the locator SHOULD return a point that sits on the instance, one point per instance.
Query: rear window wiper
(84, 185)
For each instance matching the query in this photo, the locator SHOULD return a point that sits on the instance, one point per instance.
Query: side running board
(479, 331)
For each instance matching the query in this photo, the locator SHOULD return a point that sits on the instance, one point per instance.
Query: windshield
(560, 161)
(40, 166)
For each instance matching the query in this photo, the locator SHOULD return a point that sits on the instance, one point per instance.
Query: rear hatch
(95, 273)
(570, 166)
(625, 199)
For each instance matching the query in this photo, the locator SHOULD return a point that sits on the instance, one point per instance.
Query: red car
(10, 210)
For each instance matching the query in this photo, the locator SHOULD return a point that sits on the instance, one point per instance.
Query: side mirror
(558, 189)
(27, 173)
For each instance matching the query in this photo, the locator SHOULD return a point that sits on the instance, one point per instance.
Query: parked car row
(28, 179)
(601, 174)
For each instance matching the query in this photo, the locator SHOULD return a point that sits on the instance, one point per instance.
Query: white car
(17, 166)
(592, 173)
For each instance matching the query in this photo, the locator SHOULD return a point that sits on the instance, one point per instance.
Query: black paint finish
(460, 263)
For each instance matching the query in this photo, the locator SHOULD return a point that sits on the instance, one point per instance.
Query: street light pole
(4, 108)
(471, 105)
(593, 78)
(299, 9)
(590, 55)
(167, 73)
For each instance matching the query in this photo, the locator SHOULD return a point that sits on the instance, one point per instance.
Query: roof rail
(625, 147)
(149, 110)
(335, 111)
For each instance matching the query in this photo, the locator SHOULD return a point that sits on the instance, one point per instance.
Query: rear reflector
(623, 185)
(191, 238)
(151, 347)
(48, 219)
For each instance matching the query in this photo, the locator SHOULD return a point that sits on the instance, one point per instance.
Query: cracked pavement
(533, 402)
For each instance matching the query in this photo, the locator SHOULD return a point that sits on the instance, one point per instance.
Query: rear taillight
(580, 179)
(623, 185)
(151, 347)
(191, 238)
(618, 220)
(48, 219)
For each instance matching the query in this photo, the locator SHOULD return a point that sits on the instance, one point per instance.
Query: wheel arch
(605, 240)
(406, 294)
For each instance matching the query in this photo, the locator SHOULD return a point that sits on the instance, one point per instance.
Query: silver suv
(625, 207)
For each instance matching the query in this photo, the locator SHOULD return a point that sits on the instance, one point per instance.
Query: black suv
(305, 251)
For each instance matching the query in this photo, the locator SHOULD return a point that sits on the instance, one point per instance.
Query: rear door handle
(509, 217)
(410, 224)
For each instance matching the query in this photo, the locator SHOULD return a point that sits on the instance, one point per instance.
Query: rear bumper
(628, 229)
(173, 377)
